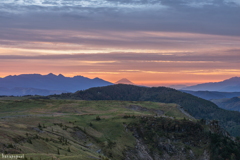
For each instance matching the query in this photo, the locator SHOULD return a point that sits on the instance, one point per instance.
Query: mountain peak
(60, 75)
(51, 74)
(124, 81)
(233, 79)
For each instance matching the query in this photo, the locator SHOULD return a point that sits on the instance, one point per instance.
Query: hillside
(84, 130)
(229, 85)
(208, 95)
(52, 83)
(197, 107)
(228, 103)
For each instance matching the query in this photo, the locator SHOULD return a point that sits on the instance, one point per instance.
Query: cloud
(67, 41)
(208, 16)
(153, 37)
(122, 57)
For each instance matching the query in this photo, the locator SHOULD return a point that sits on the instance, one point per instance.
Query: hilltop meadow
(50, 129)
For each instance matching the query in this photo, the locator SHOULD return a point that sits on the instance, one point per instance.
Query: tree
(98, 118)
(39, 126)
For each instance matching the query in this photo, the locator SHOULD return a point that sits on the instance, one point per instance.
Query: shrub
(39, 126)
(29, 141)
(126, 116)
(10, 146)
(98, 118)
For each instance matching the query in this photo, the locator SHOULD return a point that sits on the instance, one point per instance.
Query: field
(73, 129)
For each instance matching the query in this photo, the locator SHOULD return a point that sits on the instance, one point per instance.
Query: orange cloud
(146, 58)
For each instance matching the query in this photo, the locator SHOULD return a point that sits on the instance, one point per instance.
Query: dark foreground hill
(197, 107)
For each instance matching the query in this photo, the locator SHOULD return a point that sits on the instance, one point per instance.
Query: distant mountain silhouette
(229, 85)
(124, 81)
(50, 83)
(177, 86)
(229, 104)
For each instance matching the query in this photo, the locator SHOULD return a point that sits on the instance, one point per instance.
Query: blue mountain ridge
(229, 85)
(49, 83)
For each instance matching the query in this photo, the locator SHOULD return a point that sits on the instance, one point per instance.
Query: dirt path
(184, 112)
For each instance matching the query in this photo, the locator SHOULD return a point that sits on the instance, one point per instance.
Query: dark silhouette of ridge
(229, 85)
(49, 82)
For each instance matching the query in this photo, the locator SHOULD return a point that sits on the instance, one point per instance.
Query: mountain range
(228, 103)
(209, 95)
(31, 84)
(229, 85)
(226, 100)
(46, 84)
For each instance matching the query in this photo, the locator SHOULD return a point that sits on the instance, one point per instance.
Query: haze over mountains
(31, 84)
(19, 91)
(209, 95)
(46, 84)
(229, 85)
(224, 94)
(232, 104)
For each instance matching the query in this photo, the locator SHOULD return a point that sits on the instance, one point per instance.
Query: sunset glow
(143, 41)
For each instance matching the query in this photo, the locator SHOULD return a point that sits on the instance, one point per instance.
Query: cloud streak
(150, 41)
(208, 16)
(191, 57)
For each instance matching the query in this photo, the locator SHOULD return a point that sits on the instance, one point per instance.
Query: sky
(150, 42)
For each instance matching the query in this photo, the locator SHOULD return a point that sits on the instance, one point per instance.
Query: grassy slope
(75, 120)
(197, 107)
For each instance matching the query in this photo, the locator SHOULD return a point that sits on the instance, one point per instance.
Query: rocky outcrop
(166, 139)
(140, 152)
(168, 151)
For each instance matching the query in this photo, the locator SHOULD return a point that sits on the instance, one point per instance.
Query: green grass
(75, 120)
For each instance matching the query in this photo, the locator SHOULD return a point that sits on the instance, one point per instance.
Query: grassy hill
(80, 130)
(69, 129)
(197, 107)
